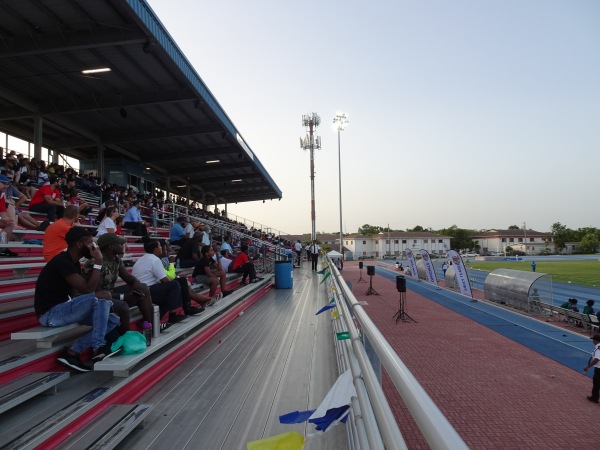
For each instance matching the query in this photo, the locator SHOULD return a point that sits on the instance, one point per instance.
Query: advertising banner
(460, 271)
(412, 265)
(428, 264)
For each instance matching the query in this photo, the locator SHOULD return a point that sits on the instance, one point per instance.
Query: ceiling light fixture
(213, 161)
(100, 70)
(237, 181)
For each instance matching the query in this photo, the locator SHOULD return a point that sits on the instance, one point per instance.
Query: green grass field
(579, 272)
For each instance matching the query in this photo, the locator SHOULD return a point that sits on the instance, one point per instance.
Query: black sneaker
(592, 399)
(45, 224)
(176, 318)
(243, 283)
(103, 353)
(192, 310)
(72, 361)
(164, 326)
(8, 253)
(257, 280)
(226, 293)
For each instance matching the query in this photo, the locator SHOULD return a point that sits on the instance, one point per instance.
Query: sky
(469, 113)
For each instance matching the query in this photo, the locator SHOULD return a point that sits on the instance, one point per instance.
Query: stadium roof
(151, 107)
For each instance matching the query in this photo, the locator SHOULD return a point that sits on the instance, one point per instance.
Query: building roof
(510, 233)
(152, 107)
(400, 235)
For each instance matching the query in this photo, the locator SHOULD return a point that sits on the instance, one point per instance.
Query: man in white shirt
(206, 235)
(226, 249)
(165, 293)
(298, 250)
(595, 363)
(314, 254)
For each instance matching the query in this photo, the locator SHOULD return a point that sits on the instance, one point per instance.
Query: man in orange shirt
(47, 200)
(54, 238)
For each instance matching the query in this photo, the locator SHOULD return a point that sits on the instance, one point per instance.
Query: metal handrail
(436, 429)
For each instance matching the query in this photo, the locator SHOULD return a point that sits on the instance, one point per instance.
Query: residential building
(530, 242)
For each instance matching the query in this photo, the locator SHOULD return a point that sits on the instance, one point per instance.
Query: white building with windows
(394, 243)
(530, 242)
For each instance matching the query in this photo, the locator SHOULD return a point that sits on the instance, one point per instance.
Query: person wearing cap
(55, 306)
(6, 223)
(595, 363)
(54, 237)
(47, 200)
(133, 220)
(133, 293)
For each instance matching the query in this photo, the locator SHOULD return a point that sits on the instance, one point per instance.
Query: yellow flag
(292, 440)
(335, 314)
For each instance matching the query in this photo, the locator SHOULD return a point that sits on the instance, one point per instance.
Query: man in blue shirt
(133, 220)
(177, 234)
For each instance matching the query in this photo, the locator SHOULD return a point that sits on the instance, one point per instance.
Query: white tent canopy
(334, 254)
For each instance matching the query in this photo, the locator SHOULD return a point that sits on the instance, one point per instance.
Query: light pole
(339, 122)
(311, 142)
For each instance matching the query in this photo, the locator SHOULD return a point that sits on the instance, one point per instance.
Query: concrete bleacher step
(27, 386)
(45, 336)
(109, 429)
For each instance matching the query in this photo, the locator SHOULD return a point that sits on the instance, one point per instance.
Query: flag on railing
(292, 440)
(333, 409)
(325, 277)
(325, 308)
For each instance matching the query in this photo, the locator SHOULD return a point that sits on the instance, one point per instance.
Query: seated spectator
(133, 220)
(54, 238)
(133, 293)
(206, 240)
(108, 225)
(6, 223)
(119, 225)
(242, 264)
(165, 293)
(167, 261)
(570, 304)
(177, 235)
(190, 229)
(210, 272)
(189, 253)
(55, 307)
(47, 200)
(589, 307)
(75, 199)
(13, 207)
(226, 248)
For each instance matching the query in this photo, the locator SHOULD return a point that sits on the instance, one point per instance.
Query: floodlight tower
(311, 142)
(339, 123)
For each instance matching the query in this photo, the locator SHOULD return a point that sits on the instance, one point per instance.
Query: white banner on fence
(412, 265)
(429, 270)
(461, 273)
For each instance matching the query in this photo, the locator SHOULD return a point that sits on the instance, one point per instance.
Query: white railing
(433, 424)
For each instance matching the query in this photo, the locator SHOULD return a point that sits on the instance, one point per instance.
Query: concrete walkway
(498, 393)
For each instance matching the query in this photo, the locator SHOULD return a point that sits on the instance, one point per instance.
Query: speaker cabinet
(370, 270)
(401, 283)
(360, 265)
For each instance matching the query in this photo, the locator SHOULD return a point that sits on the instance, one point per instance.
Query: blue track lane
(570, 349)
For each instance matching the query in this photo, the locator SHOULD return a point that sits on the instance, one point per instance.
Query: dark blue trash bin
(284, 275)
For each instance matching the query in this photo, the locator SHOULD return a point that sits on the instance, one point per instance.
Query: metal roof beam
(95, 36)
(73, 105)
(138, 135)
(200, 152)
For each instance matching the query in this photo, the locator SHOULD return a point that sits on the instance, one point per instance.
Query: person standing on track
(595, 363)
